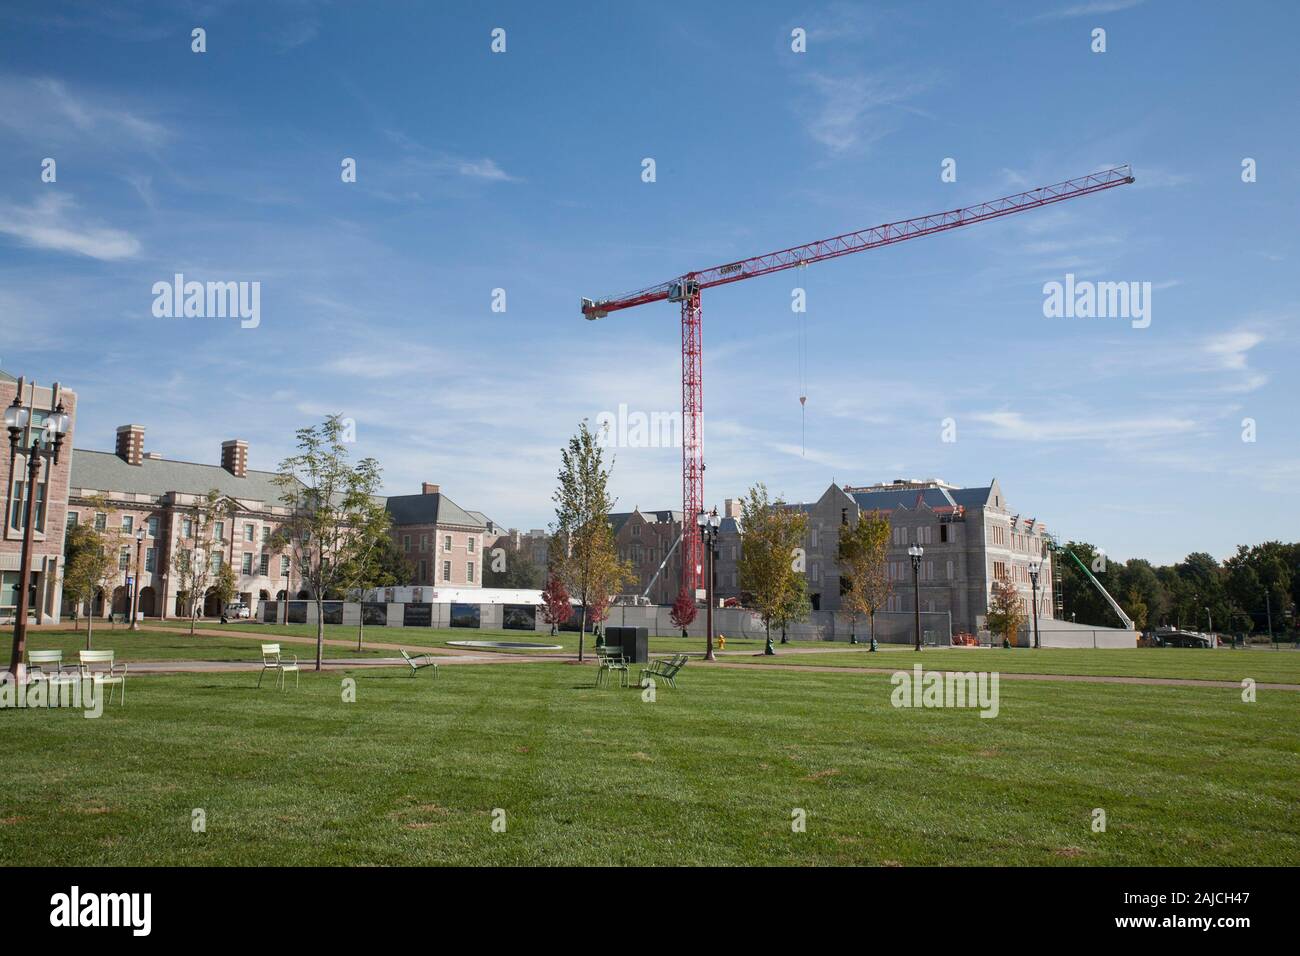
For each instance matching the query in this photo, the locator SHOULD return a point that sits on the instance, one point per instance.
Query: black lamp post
(135, 596)
(45, 445)
(915, 552)
(1033, 581)
(286, 593)
(708, 525)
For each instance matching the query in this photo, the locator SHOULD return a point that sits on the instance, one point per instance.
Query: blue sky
(522, 171)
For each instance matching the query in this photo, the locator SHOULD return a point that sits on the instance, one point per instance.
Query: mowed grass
(142, 645)
(1266, 666)
(708, 774)
(440, 637)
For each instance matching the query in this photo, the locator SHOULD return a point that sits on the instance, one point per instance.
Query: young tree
(796, 606)
(684, 610)
(89, 568)
(1005, 612)
(772, 533)
(194, 567)
(330, 504)
(506, 566)
(374, 560)
(556, 609)
(224, 585)
(583, 551)
(864, 570)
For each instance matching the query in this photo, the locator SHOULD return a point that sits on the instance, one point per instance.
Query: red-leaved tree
(599, 611)
(683, 611)
(556, 609)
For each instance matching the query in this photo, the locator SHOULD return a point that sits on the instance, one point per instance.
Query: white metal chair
(99, 667)
(273, 660)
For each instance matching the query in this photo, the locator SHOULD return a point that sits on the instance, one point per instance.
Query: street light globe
(16, 416)
(715, 520)
(916, 551)
(59, 422)
(701, 519)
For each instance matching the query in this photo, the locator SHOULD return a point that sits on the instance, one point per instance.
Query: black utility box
(635, 642)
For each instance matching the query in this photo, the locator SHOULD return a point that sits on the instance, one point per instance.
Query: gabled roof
(105, 471)
(619, 518)
(431, 509)
(933, 497)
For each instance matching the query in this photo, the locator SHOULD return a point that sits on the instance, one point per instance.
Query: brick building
(51, 494)
(445, 544)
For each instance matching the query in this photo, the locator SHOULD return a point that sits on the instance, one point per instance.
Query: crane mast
(687, 288)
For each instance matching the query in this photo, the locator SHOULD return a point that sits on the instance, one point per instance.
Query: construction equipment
(687, 288)
(1057, 548)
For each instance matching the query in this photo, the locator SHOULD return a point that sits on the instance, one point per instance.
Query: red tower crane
(688, 287)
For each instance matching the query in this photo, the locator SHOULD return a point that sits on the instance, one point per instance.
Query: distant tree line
(1237, 596)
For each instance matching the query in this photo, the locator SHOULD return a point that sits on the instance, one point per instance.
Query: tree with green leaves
(509, 566)
(194, 566)
(796, 607)
(770, 542)
(373, 559)
(864, 569)
(224, 585)
(90, 568)
(583, 552)
(331, 504)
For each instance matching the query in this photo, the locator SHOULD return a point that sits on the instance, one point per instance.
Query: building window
(246, 565)
(469, 545)
(943, 533)
(72, 520)
(469, 572)
(284, 565)
(999, 570)
(152, 525)
(264, 565)
(406, 542)
(266, 534)
(101, 521)
(421, 573)
(187, 526)
(249, 532)
(446, 542)
(812, 538)
(446, 570)
(424, 542)
(215, 563)
(150, 559)
(219, 531)
(123, 558)
(636, 531)
(128, 524)
(949, 570)
(18, 517)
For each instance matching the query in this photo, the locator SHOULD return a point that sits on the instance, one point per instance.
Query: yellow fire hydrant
(722, 642)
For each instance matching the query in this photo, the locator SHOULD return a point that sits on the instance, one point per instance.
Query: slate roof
(934, 497)
(430, 509)
(105, 471)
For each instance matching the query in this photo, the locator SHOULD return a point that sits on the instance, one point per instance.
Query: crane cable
(802, 360)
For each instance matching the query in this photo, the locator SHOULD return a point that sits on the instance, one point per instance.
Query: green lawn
(1262, 665)
(439, 637)
(411, 772)
(158, 646)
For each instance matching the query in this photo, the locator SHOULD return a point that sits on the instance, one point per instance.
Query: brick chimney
(130, 443)
(234, 457)
(731, 508)
(429, 489)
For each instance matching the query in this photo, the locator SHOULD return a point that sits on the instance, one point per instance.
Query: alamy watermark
(624, 429)
(208, 300)
(85, 693)
(916, 688)
(1085, 299)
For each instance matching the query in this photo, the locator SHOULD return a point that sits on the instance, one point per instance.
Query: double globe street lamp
(46, 441)
(915, 552)
(708, 525)
(1034, 568)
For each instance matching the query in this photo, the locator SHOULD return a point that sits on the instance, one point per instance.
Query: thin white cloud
(849, 111)
(1095, 8)
(46, 110)
(1230, 352)
(1015, 426)
(50, 223)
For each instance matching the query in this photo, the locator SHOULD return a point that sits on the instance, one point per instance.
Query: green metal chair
(419, 661)
(608, 661)
(665, 669)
